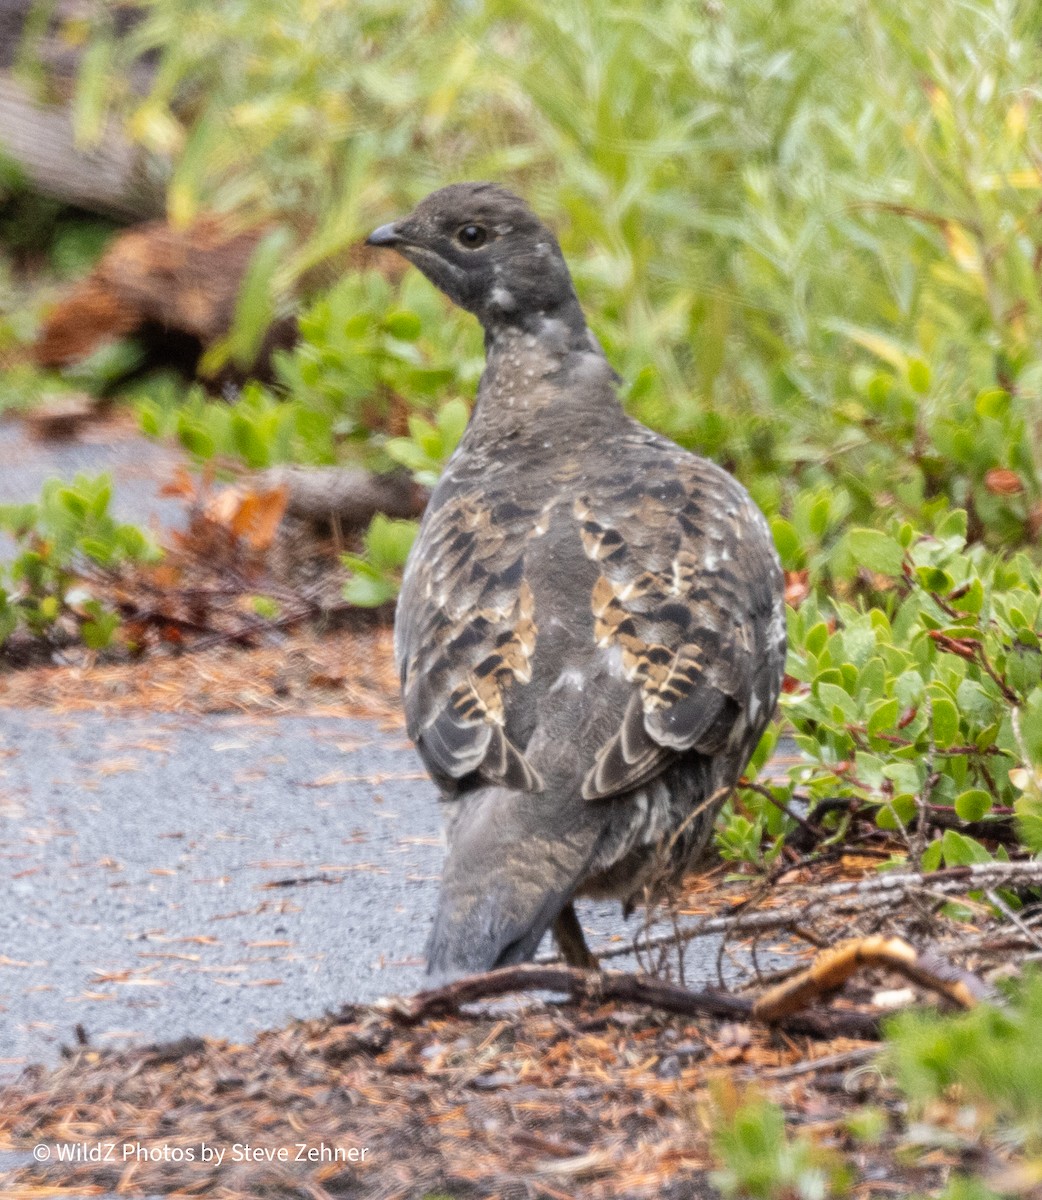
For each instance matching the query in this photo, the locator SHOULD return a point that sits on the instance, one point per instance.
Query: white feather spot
(614, 657)
(570, 677)
(503, 299)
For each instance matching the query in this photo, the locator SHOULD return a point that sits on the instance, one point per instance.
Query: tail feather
(514, 862)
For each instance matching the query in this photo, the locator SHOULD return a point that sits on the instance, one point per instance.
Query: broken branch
(615, 985)
(833, 967)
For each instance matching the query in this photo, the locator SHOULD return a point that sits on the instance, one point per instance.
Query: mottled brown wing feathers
(474, 642)
(673, 600)
(684, 571)
(629, 759)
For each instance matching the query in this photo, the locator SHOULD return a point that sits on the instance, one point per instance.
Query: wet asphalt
(166, 875)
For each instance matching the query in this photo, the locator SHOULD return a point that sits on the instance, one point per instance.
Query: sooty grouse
(591, 633)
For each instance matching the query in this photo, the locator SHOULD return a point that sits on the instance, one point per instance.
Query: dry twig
(833, 967)
(615, 985)
(888, 890)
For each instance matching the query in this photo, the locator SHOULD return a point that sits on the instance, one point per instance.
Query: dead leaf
(797, 587)
(179, 484)
(116, 766)
(1001, 481)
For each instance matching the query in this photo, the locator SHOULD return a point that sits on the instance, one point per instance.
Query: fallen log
(346, 497)
(112, 177)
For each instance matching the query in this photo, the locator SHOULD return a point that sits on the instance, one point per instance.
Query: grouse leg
(571, 940)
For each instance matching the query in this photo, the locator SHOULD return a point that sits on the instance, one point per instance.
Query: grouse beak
(386, 235)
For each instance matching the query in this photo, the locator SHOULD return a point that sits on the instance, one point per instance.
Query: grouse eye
(472, 236)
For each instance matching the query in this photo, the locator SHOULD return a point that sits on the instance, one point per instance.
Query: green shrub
(368, 354)
(919, 697)
(972, 1081)
(991, 1055)
(69, 527)
(760, 1161)
(976, 1079)
(805, 235)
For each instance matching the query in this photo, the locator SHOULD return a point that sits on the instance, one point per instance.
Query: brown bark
(834, 966)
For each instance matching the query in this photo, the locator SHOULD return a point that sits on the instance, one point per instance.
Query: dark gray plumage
(591, 633)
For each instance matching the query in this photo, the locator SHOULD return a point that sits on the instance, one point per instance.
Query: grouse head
(488, 252)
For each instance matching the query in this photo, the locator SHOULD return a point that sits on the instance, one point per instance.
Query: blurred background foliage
(807, 234)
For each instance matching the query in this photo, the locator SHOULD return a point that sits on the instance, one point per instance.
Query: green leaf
(884, 717)
(1028, 808)
(255, 304)
(953, 525)
(452, 421)
(993, 403)
(841, 704)
(405, 451)
(816, 638)
(818, 518)
(388, 541)
(971, 600)
(931, 859)
(404, 325)
(368, 592)
(93, 87)
(97, 549)
(787, 541)
(98, 505)
(896, 812)
(959, 850)
(934, 579)
(945, 722)
(973, 804)
(97, 633)
(73, 502)
(918, 376)
(266, 607)
(876, 551)
(251, 445)
(1031, 726)
(195, 439)
(18, 519)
